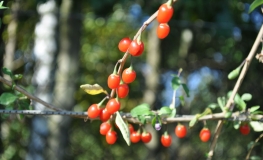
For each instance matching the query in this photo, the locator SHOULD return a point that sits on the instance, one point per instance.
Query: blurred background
(59, 45)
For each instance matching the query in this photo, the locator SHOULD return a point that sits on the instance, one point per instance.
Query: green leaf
(173, 113)
(8, 72)
(165, 111)
(257, 112)
(257, 126)
(253, 109)
(241, 104)
(185, 89)
(7, 98)
(228, 114)
(123, 128)
(213, 106)
(236, 124)
(181, 98)
(233, 74)
(221, 103)
(24, 104)
(176, 82)
(246, 97)
(193, 122)
(140, 109)
(18, 76)
(142, 119)
(254, 5)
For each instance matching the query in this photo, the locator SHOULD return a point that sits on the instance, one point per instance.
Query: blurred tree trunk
(153, 58)
(44, 51)
(11, 42)
(66, 78)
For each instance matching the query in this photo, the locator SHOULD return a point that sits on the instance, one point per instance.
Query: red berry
(113, 106)
(113, 81)
(94, 111)
(111, 137)
(165, 13)
(105, 115)
(128, 75)
(163, 30)
(104, 128)
(205, 134)
(244, 129)
(166, 140)
(135, 137)
(124, 44)
(123, 90)
(136, 48)
(146, 137)
(180, 131)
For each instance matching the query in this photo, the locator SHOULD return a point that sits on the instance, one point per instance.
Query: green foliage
(7, 98)
(233, 74)
(123, 128)
(254, 5)
(257, 126)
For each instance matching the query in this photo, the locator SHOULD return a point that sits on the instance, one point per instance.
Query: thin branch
(250, 151)
(236, 88)
(28, 95)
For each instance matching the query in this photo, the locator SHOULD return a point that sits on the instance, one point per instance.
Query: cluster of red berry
(165, 13)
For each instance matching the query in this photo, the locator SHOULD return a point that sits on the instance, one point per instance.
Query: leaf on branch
(93, 89)
(185, 89)
(252, 144)
(236, 124)
(18, 76)
(1, 5)
(193, 122)
(228, 114)
(165, 111)
(123, 128)
(254, 5)
(233, 74)
(257, 126)
(246, 97)
(253, 109)
(221, 103)
(141, 110)
(7, 72)
(173, 113)
(240, 102)
(24, 104)
(213, 106)
(176, 82)
(7, 98)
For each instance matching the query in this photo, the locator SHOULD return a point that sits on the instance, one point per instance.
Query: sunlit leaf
(246, 97)
(176, 82)
(228, 114)
(7, 98)
(241, 104)
(233, 74)
(185, 89)
(253, 109)
(221, 103)
(236, 124)
(257, 126)
(193, 122)
(93, 89)
(153, 121)
(18, 76)
(173, 113)
(213, 106)
(123, 128)
(142, 109)
(254, 5)
(165, 111)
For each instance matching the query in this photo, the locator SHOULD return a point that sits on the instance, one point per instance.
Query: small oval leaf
(246, 97)
(254, 108)
(165, 111)
(93, 89)
(233, 74)
(257, 126)
(193, 122)
(7, 98)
